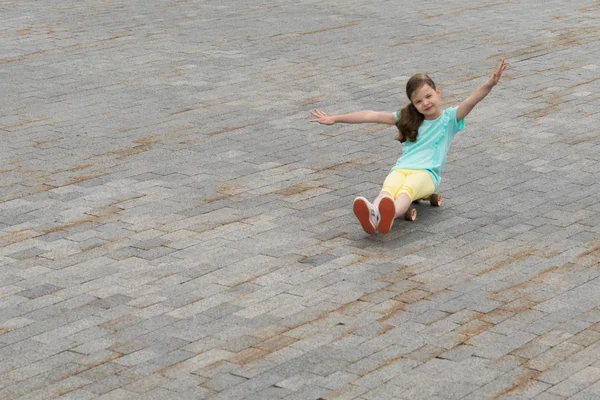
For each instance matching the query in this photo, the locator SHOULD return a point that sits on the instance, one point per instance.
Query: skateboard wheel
(410, 214)
(436, 200)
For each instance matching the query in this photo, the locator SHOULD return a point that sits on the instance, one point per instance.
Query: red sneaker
(367, 215)
(387, 212)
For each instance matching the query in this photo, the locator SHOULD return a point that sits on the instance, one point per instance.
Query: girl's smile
(426, 100)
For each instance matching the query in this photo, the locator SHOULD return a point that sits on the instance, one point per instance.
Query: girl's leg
(415, 185)
(381, 195)
(385, 203)
(401, 204)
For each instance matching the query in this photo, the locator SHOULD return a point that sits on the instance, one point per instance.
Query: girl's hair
(410, 119)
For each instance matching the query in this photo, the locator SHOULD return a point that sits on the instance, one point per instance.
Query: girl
(427, 132)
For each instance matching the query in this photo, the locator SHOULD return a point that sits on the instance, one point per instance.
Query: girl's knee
(408, 192)
(385, 193)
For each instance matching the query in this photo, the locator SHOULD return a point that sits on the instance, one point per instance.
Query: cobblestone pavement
(173, 227)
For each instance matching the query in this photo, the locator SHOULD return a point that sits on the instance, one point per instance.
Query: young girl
(427, 132)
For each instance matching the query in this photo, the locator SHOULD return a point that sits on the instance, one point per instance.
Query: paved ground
(173, 227)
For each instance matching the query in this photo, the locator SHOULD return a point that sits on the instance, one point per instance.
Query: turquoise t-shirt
(429, 151)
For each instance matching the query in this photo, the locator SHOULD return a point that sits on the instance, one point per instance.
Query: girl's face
(427, 101)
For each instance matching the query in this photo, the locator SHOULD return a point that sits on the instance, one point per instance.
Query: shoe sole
(387, 212)
(361, 210)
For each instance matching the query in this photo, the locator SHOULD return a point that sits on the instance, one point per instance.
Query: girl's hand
(322, 118)
(467, 105)
(495, 78)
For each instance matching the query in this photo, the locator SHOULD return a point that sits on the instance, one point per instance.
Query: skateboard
(435, 200)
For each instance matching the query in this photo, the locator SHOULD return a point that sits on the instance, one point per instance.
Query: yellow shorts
(416, 183)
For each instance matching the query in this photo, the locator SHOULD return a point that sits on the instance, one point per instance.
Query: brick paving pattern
(173, 227)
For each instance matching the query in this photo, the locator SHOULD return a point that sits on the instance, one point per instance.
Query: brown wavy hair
(410, 119)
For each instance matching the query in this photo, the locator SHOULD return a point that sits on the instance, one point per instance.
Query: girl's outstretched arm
(467, 105)
(358, 117)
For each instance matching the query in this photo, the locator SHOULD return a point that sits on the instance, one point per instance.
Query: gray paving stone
(172, 226)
